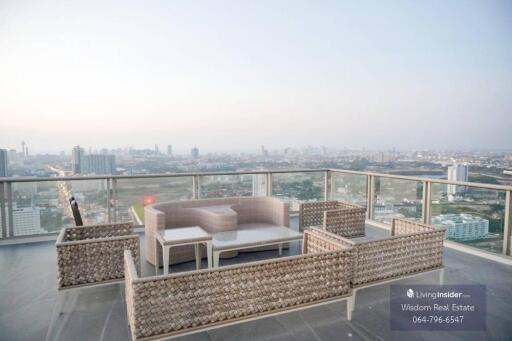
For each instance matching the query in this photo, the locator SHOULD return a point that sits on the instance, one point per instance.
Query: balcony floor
(31, 308)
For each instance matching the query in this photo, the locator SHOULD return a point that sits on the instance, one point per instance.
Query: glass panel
(43, 207)
(37, 209)
(221, 186)
(91, 196)
(397, 198)
(471, 216)
(134, 194)
(298, 187)
(349, 187)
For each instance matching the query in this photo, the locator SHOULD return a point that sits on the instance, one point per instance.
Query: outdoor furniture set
(332, 266)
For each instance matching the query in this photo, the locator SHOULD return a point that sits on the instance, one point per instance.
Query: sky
(235, 75)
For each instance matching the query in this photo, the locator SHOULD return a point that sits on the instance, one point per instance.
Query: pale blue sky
(231, 75)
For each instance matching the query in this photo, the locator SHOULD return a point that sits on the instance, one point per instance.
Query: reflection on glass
(473, 217)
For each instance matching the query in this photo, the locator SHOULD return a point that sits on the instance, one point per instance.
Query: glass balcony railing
(298, 187)
(471, 216)
(349, 187)
(129, 196)
(222, 186)
(396, 198)
(474, 215)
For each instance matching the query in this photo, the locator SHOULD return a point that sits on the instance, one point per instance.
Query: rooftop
(31, 307)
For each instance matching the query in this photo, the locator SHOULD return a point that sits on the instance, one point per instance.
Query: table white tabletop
(182, 235)
(253, 237)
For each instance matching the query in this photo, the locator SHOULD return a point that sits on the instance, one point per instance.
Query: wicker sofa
(413, 247)
(213, 215)
(94, 254)
(339, 217)
(187, 302)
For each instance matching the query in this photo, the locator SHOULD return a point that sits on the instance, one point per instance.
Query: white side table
(194, 235)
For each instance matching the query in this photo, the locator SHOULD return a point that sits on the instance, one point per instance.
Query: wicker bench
(177, 304)
(412, 247)
(93, 254)
(339, 217)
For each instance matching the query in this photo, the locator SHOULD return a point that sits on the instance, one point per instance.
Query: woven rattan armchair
(187, 302)
(339, 217)
(93, 254)
(413, 247)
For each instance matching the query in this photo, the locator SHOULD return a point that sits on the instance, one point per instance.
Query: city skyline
(185, 150)
(413, 74)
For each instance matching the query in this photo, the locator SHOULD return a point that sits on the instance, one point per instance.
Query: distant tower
(456, 173)
(156, 149)
(169, 150)
(23, 153)
(3, 163)
(264, 152)
(194, 152)
(77, 160)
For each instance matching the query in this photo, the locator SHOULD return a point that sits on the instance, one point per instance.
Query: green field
(139, 211)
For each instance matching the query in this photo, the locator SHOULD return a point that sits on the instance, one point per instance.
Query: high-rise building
(259, 188)
(456, 172)
(169, 150)
(99, 164)
(156, 149)
(264, 152)
(23, 149)
(13, 157)
(4, 163)
(194, 152)
(27, 220)
(77, 161)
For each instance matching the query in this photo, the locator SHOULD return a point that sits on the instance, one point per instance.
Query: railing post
(268, 184)
(195, 187)
(10, 223)
(109, 204)
(370, 191)
(327, 185)
(507, 227)
(426, 202)
(114, 199)
(3, 221)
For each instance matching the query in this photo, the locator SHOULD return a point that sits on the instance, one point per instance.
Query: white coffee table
(193, 235)
(249, 238)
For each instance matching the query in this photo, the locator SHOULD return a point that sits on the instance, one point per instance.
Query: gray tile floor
(31, 308)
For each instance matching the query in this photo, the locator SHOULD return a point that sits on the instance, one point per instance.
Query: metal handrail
(417, 178)
(166, 175)
(255, 172)
(6, 184)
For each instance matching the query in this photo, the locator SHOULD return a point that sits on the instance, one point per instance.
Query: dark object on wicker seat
(76, 212)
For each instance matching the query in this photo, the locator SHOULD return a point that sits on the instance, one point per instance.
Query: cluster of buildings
(83, 163)
(11, 155)
(462, 226)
